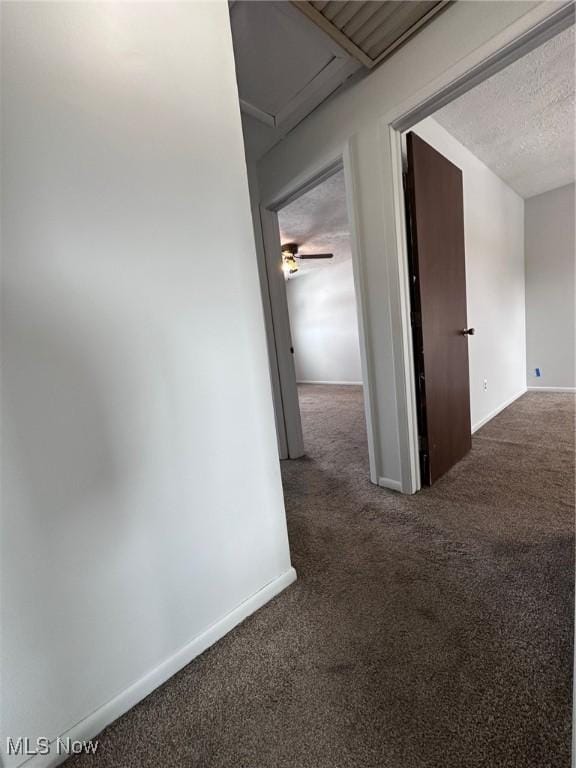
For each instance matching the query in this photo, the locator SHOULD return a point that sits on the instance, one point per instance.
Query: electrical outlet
(537, 372)
(485, 384)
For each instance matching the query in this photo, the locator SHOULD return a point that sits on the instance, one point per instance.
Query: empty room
(288, 387)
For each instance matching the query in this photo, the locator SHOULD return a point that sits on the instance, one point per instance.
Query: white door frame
(289, 405)
(286, 406)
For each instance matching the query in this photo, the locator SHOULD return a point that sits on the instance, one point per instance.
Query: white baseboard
(572, 390)
(496, 411)
(91, 726)
(393, 485)
(339, 383)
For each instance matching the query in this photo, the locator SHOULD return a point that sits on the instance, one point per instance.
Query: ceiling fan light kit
(290, 254)
(289, 264)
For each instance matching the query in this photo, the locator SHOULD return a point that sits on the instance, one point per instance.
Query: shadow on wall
(55, 417)
(323, 321)
(62, 475)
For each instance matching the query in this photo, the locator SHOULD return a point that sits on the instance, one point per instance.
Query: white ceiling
(265, 33)
(318, 222)
(285, 67)
(520, 122)
(292, 57)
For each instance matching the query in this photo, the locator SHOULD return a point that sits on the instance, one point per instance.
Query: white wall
(354, 124)
(134, 359)
(494, 242)
(550, 320)
(324, 325)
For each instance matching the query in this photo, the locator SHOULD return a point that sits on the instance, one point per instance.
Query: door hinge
(415, 318)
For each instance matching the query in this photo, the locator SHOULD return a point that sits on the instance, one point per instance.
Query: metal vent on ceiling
(370, 31)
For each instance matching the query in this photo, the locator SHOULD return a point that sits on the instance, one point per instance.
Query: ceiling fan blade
(314, 255)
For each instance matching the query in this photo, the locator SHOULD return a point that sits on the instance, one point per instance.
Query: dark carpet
(432, 631)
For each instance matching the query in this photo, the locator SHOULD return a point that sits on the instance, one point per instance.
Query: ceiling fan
(290, 254)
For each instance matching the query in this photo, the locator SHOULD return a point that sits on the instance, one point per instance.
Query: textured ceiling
(318, 222)
(520, 122)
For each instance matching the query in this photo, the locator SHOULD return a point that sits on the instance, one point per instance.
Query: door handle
(468, 331)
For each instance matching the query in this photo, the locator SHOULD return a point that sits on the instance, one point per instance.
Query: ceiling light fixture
(289, 263)
(291, 257)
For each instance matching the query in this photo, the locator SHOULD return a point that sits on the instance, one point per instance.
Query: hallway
(427, 631)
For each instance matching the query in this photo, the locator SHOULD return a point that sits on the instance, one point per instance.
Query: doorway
(316, 301)
(322, 308)
(471, 169)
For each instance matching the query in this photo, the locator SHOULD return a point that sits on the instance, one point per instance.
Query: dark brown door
(438, 285)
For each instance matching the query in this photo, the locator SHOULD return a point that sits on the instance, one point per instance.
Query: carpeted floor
(432, 631)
